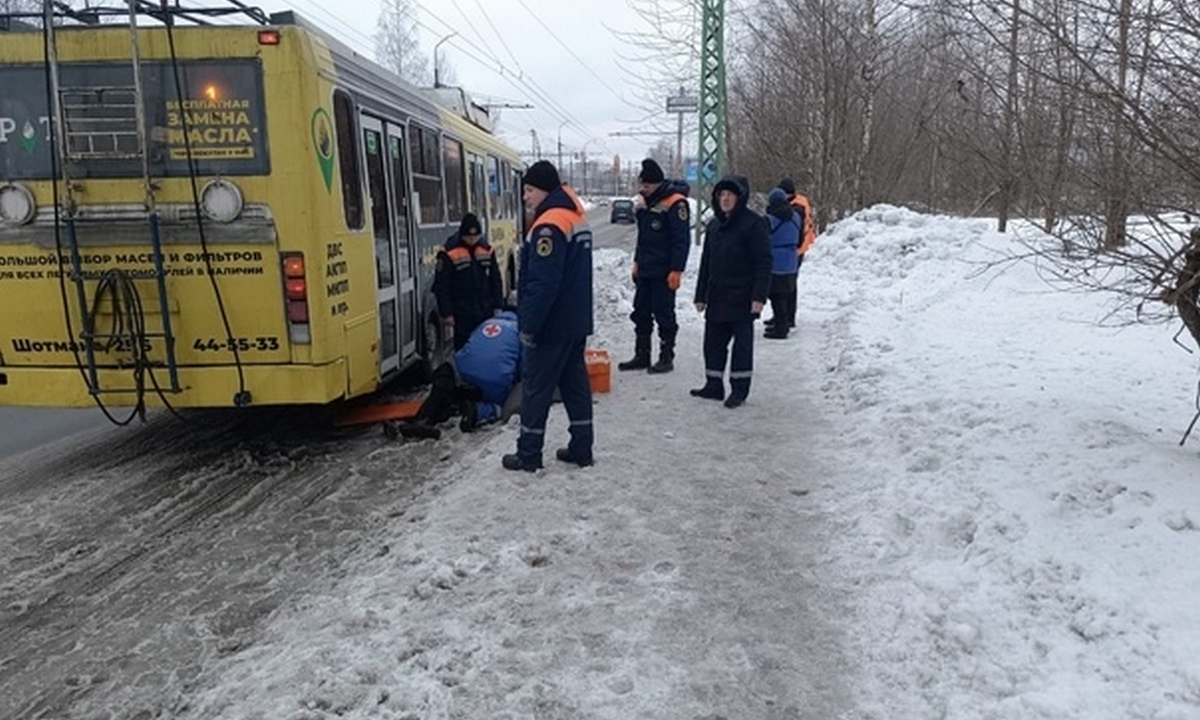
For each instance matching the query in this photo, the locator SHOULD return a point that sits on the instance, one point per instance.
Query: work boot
(666, 355)
(470, 416)
(513, 461)
(565, 455)
(712, 390)
(641, 355)
(735, 400)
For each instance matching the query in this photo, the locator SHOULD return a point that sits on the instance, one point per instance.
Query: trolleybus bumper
(201, 386)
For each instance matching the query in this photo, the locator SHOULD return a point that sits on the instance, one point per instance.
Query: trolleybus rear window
(218, 120)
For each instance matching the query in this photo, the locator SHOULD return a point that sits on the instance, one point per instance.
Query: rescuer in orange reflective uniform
(664, 231)
(467, 284)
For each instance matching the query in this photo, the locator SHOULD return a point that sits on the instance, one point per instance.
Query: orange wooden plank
(404, 410)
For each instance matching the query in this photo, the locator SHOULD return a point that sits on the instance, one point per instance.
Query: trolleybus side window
(477, 186)
(495, 183)
(514, 195)
(347, 143)
(426, 164)
(456, 179)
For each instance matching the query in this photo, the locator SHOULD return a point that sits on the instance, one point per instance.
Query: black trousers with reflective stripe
(546, 367)
(654, 302)
(717, 336)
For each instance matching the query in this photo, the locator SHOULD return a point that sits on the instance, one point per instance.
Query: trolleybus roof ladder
(109, 123)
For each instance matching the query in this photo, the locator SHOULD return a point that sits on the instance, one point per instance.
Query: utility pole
(560, 127)
(584, 156)
(535, 146)
(679, 142)
(679, 105)
(712, 103)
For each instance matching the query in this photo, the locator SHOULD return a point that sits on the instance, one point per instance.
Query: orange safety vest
(809, 236)
(461, 255)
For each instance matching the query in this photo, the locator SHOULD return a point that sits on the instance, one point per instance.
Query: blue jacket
(554, 296)
(664, 231)
(491, 359)
(785, 238)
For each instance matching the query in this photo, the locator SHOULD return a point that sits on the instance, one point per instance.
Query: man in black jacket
(735, 275)
(467, 284)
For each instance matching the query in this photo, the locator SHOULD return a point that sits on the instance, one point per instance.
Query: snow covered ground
(950, 495)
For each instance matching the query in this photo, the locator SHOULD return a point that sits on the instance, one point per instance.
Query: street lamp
(560, 127)
(437, 78)
(584, 155)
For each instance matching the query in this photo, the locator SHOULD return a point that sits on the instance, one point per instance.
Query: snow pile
(1024, 521)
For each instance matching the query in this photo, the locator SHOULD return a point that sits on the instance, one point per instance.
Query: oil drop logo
(29, 139)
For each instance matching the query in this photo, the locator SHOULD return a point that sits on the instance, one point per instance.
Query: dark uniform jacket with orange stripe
(468, 284)
(663, 231)
(554, 298)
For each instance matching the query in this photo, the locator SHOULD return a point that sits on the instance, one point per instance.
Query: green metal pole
(712, 105)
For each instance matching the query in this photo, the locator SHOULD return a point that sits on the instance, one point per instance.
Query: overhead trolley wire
(566, 47)
(519, 80)
(499, 35)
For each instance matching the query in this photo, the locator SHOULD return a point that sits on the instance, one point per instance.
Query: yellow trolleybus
(223, 215)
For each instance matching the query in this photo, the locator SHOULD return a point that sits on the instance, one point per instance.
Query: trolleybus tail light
(16, 204)
(295, 298)
(269, 37)
(221, 200)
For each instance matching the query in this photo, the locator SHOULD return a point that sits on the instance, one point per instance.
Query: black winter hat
(788, 186)
(542, 176)
(470, 225)
(651, 172)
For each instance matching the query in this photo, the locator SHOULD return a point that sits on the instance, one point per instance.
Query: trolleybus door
(477, 184)
(385, 258)
(407, 255)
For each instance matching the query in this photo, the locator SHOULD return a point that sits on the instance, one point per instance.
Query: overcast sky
(576, 66)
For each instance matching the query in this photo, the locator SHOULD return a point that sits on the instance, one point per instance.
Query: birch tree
(397, 45)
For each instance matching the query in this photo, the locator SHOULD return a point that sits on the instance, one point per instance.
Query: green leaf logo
(322, 136)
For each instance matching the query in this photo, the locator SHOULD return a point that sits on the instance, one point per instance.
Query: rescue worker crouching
(481, 384)
(467, 284)
(659, 260)
(489, 364)
(554, 310)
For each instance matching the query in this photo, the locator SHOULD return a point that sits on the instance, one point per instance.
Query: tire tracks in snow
(139, 556)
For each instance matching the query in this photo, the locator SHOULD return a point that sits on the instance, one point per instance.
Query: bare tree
(870, 73)
(396, 42)
(662, 55)
(1080, 115)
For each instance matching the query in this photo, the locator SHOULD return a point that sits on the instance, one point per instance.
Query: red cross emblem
(491, 330)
